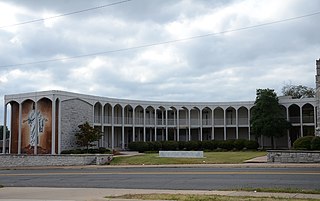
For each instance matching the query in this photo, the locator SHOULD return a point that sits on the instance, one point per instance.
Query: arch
(206, 116)
(97, 110)
(117, 114)
(243, 116)
(308, 113)
(107, 113)
(128, 114)
(138, 115)
(294, 113)
(218, 116)
(231, 116)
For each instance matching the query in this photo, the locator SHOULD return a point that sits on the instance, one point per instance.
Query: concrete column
(155, 124)
(122, 132)
(112, 127)
(178, 126)
(212, 123)
(144, 124)
(301, 121)
(59, 127)
(102, 126)
(237, 124)
(37, 127)
(225, 124)
(189, 124)
(53, 125)
(200, 119)
(4, 129)
(249, 129)
(166, 125)
(19, 129)
(133, 126)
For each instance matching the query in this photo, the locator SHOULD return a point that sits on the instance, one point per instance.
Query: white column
(212, 123)
(189, 124)
(122, 132)
(155, 124)
(237, 124)
(59, 126)
(112, 127)
(102, 126)
(144, 124)
(166, 125)
(178, 126)
(225, 124)
(4, 129)
(200, 118)
(53, 126)
(288, 132)
(37, 127)
(133, 126)
(249, 129)
(19, 131)
(301, 121)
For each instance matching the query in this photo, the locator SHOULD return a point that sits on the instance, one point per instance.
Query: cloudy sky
(146, 55)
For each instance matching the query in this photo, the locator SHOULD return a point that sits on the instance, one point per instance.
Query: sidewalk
(98, 194)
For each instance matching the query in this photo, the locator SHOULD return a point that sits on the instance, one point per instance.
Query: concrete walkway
(98, 194)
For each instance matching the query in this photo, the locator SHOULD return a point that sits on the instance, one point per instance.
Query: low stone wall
(181, 154)
(7, 160)
(293, 156)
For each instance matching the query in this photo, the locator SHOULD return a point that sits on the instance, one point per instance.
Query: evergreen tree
(267, 117)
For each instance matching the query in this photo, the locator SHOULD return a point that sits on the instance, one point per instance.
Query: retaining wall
(293, 156)
(54, 160)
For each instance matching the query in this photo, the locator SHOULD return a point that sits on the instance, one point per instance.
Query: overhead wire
(162, 43)
(65, 14)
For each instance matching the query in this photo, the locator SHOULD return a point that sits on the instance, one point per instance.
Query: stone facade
(53, 160)
(74, 112)
(290, 156)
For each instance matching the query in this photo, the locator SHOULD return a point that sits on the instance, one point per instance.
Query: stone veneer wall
(73, 113)
(54, 160)
(292, 156)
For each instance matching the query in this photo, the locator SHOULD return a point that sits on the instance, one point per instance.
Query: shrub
(252, 144)
(138, 146)
(154, 145)
(239, 144)
(182, 145)
(170, 145)
(192, 145)
(207, 145)
(100, 150)
(303, 143)
(315, 143)
(226, 145)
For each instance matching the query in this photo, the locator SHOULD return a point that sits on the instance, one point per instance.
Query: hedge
(209, 145)
(100, 150)
(307, 143)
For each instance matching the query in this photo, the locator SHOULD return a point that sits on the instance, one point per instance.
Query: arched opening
(97, 113)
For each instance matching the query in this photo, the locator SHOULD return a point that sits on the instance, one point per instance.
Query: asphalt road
(196, 178)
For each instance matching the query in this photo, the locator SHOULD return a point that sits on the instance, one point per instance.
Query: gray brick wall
(73, 113)
(291, 156)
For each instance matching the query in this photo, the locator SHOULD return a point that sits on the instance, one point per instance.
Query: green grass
(181, 197)
(209, 158)
(280, 190)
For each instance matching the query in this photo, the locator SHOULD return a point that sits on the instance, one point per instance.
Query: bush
(170, 145)
(252, 144)
(154, 146)
(100, 150)
(138, 146)
(315, 143)
(226, 145)
(303, 143)
(182, 145)
(239, 144)
(192, 145)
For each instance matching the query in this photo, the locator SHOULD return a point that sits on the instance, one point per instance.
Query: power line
(65, 14)
(163, 43)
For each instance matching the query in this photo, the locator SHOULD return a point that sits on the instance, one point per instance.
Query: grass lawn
(209, 158)
(180, 197)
